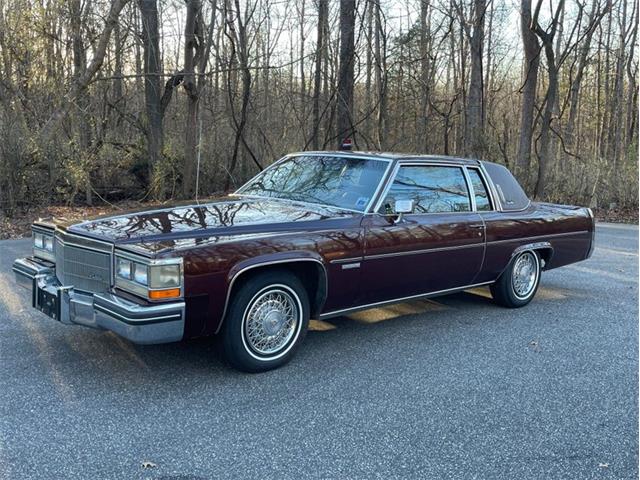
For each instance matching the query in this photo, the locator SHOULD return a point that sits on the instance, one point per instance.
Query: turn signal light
(164, 294)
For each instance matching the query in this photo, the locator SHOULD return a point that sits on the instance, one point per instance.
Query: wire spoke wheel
(271, 321)
(524, 275)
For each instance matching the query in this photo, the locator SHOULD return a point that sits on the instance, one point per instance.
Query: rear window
(509, 190)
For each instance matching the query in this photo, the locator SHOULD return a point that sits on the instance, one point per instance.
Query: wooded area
(105, 100)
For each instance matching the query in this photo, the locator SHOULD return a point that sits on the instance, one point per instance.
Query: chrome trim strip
(146, 260)
(43, 229)
(264, 264)
(429, 250)
(470, 189)
(381, 184)
(532, 246)
(336, 313)
(487, 185)
(134, 321)
(86, 238)
(426, 250)
(387, 185)
(43, 225)
(347, 260)
(549, 235)
(61, 240)
(489, 181)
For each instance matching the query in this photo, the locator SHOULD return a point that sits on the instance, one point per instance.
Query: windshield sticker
(362, 202)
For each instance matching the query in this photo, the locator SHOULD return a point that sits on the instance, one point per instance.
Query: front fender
(280, 258)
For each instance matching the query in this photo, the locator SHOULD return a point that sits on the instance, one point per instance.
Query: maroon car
(315, 235)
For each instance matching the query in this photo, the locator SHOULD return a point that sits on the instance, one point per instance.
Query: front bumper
(140, 323)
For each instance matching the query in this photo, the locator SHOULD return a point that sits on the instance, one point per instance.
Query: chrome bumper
(144, 324)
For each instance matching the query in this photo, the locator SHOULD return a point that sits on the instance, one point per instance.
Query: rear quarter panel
(568, 229)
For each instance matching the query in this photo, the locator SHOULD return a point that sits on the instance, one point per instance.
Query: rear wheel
(266, 322)
(519, 282)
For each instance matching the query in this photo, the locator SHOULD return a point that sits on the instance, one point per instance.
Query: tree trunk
(193, 42)
(323, 12)
(574, 90)
(424, 75)
(152, 91)
(531, 65)
(82, 103)
(544, 153)
(239, 45)
(345, 76)
(474, 128)
(380, 55)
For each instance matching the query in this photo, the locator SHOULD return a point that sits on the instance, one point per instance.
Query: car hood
(223, 217)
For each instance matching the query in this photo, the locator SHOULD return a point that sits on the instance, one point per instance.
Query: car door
(439, 246)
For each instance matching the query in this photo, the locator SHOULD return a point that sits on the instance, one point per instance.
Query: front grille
(83, 263)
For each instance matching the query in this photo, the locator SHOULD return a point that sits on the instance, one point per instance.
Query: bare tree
(531, 49)
(425, 71)
(345, 128)
(474, 113)
(321, 49)
(547, 38)
(82, 81)
(152, 91)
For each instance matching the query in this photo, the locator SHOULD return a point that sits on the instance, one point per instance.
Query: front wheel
(519, 282)
(266, 322)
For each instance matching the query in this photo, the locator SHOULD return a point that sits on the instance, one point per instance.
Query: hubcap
(525, 272)
(271, 321)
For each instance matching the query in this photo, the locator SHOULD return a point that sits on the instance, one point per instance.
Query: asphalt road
(454, 388)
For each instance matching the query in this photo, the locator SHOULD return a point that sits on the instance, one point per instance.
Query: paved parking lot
(452, 388)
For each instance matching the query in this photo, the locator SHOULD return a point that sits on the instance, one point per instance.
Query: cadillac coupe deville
(315, 235)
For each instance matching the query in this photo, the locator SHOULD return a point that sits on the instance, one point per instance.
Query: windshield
(342, 182)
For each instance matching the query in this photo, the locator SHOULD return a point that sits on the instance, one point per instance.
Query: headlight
(48, 243)
(156, 280)
(140, 273)
(123, 268)
(43, 244)
(131, 270)
(164, 276)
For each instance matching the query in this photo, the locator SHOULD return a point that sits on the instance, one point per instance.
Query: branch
(82, 81)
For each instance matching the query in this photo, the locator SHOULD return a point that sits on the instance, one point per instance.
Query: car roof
(394, 156)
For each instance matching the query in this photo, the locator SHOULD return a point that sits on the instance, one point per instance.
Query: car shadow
(82, 361)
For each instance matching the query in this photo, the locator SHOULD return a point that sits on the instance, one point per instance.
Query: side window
(483, 204)
(433, 189)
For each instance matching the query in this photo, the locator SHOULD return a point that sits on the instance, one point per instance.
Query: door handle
(479, 228)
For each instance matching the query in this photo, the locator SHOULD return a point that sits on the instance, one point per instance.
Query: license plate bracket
(48, 303)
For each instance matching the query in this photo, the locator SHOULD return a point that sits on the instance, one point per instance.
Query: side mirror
(402, 207)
